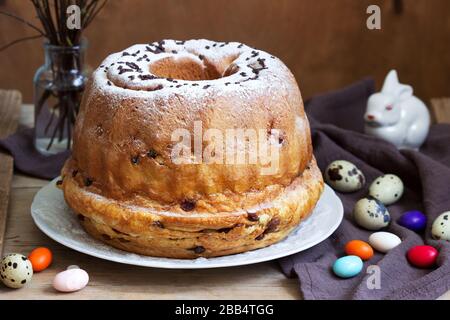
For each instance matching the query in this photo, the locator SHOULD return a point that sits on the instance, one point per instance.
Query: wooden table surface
(109, 280)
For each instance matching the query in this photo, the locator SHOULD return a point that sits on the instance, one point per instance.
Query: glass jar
(58, 87)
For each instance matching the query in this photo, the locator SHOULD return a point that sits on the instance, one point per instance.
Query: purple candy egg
(413, 220)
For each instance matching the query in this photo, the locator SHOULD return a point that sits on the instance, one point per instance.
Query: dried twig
(23, 21)
(6, 46)
(52, 15)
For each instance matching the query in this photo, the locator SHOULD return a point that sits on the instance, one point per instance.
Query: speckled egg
(16, 270)
(440, 229)
(344, 176)
(371, 214)
(387, 188)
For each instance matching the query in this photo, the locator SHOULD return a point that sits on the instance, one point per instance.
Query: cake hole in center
(186, 68)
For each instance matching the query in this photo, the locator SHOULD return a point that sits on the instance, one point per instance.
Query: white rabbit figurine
(397, 116)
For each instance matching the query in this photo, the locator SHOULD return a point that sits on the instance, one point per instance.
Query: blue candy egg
(413, 220)
(348, 266)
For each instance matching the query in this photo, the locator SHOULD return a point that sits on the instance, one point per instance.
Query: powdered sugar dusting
(127, 73)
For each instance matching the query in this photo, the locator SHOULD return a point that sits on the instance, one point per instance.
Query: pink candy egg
(71, 280)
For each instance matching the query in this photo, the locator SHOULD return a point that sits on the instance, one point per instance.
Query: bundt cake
(137, 188)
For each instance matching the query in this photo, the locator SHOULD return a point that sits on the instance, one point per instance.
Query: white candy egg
(16, 270)
(71, 280)
(384, 241)
(440, 229)
(344, 176)
(387, 188)
(371, 214)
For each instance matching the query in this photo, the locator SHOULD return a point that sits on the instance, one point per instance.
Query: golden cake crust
(149, 231)
(122, 178)
(123, 133)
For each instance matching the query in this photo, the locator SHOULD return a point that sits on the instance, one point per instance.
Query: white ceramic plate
(52, 215)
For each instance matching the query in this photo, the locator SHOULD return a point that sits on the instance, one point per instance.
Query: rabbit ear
(393, 87)
(404, 91)
(391, 83)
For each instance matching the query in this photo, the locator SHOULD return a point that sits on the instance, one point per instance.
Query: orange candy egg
(359, 248)
(40, 258)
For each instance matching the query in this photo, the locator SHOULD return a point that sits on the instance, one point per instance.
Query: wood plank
(10, 105)
(21, 180)
(440, 109)
(110, 280)
(26, 118)
(10, 102)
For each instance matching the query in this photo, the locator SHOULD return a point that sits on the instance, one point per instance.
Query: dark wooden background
(324, 42)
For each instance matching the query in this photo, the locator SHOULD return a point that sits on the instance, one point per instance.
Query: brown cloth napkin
(28, 160)
(337, 132)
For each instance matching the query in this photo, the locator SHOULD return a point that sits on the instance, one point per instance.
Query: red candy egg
(422, 256)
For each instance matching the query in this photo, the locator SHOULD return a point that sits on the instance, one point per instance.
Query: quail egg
(16, 270)
(344, 176)
(440, 229)
(371, 214)
(387, 188)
